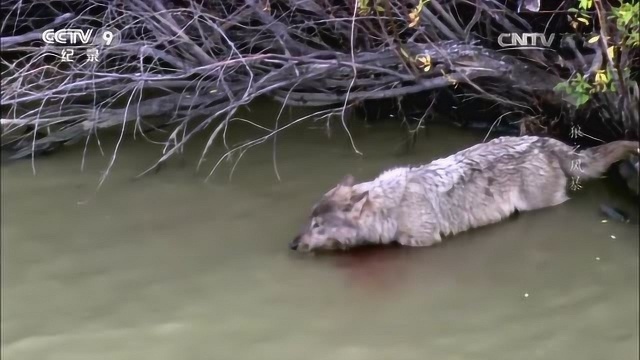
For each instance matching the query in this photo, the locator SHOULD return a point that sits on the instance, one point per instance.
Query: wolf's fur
(484, 184)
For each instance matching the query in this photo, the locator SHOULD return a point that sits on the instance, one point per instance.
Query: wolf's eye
(315, 225)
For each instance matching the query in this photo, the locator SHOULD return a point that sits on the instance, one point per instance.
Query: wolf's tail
(593, 162)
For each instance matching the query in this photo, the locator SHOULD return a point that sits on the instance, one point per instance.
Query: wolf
(478, 186)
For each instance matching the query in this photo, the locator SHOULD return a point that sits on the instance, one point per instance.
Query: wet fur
(481, 185)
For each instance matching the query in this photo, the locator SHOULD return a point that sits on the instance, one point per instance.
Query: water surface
(171, 267)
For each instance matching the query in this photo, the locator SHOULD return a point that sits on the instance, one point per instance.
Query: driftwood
(194, 59)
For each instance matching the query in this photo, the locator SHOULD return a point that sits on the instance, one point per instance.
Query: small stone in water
(604, 221)
(526, 295)
(597, 258)
(613, 237)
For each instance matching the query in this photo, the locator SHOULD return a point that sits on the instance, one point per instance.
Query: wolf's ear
(347, 181)
(359, 202)
(343, 189)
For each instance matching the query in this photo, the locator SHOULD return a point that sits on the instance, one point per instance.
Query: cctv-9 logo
(103, 37)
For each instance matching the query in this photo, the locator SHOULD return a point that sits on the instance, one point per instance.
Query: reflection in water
(168, 267)
(375, 269)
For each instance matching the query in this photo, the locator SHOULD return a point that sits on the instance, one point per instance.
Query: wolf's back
(488, 182)
(477, 186)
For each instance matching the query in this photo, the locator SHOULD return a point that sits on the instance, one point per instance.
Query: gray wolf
(481, 185)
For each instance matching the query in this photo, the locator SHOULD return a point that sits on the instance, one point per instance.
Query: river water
(170, 267)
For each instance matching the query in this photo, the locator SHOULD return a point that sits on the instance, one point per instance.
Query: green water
(170, 267)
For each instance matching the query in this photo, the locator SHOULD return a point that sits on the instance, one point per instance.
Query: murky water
(169, 267)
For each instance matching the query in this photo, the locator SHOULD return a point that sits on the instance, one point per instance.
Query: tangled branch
(195, 62)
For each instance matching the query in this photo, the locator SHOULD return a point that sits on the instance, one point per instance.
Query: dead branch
(188, 59)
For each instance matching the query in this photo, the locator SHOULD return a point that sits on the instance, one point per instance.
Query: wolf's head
(335, 220)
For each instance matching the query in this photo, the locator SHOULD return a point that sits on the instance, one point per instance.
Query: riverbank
(333, 57)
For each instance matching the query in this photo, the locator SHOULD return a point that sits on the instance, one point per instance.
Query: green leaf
(582, 99)
(585, 4)
(561, 86)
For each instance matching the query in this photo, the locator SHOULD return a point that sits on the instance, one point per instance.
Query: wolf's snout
(293, 245)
